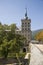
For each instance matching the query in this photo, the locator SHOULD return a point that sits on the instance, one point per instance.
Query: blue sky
(12, 11)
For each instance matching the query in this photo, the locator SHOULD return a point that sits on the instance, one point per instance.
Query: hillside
(35, 32)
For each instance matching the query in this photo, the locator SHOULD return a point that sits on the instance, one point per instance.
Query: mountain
(35, 32)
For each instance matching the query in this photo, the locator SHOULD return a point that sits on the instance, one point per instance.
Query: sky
(12, 11)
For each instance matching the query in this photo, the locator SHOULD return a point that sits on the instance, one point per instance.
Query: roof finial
(26, 14)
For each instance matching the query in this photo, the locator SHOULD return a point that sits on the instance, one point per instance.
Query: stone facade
(25, 30)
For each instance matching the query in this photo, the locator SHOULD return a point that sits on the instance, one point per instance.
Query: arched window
(24, 49)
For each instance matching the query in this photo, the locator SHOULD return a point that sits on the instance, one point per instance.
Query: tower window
(22, 24)
(25, 24)
(22, 29)
(25, 29)
(28, 24)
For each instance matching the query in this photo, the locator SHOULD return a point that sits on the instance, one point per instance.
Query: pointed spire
(26, 14)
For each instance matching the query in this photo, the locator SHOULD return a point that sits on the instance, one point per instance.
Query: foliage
(39, 36)
(35, 32)
(10, 42)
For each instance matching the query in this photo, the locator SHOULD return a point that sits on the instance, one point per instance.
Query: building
(25, 31)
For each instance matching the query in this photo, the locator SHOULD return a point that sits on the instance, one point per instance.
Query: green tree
(9, 40)
(2, 33)
(13, 27)
(5, 48)
(6, 27)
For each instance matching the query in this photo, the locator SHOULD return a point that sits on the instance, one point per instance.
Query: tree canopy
(9, 40)
(39, 36)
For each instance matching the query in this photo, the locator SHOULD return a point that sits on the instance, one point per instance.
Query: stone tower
(26, 31)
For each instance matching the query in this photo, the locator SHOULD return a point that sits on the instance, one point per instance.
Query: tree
(13, 27)
(6, 27)
(5, 48)
(39, 36)
(10, 42)
(2, 33)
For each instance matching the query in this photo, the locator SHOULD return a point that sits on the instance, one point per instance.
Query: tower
(26, 31)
